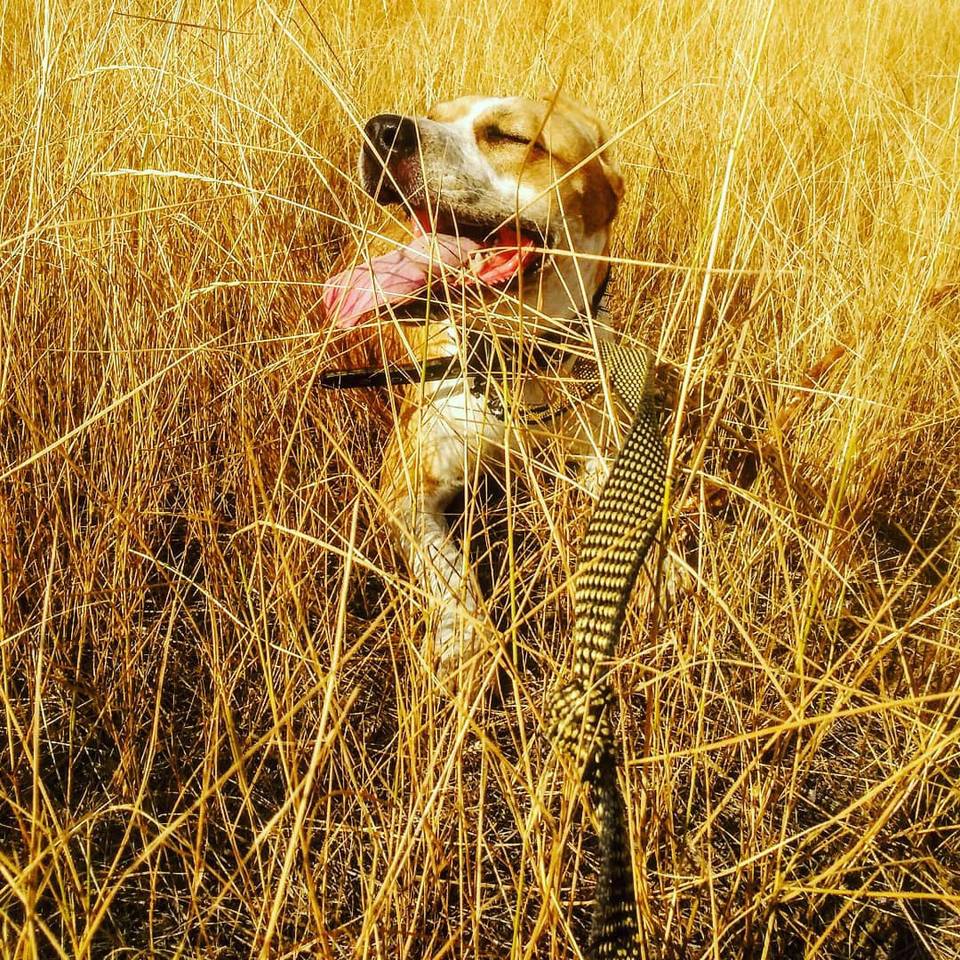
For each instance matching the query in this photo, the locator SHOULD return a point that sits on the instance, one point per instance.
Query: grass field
(218, 736)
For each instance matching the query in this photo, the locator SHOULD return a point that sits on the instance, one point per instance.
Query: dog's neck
(541, 312)
(570, 280)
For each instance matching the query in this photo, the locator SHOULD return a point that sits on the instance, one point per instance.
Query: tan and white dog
(510, 202)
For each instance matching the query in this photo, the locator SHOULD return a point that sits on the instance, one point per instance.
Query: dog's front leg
(424, 468)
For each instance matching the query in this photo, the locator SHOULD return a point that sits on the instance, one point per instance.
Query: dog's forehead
(462, 108)
(558, 120)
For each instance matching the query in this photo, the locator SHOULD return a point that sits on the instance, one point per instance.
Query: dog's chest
(488, 408)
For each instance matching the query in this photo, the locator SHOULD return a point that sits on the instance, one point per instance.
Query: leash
(622, 528)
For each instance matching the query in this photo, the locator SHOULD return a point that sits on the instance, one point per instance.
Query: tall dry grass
(218, 735)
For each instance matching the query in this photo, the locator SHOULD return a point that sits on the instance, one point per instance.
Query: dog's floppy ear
(610, 166)
(594, 130)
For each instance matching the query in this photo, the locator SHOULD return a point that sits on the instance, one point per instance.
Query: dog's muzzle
(389, 140)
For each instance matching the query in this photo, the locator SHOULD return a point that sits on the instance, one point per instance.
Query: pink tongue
(399, 276)
(394, 278)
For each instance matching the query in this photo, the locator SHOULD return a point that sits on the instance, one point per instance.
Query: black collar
(600, 304)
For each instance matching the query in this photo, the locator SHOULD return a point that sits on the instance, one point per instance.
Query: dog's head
(477, 163)
(489, 185)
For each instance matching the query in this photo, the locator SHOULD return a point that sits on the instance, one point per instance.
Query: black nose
(392, 136)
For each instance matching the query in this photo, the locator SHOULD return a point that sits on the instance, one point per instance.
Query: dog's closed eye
(497, 135)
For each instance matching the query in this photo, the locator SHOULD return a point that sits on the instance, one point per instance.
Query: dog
(507, 206)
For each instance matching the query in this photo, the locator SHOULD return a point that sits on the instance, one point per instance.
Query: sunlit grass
(220, 737)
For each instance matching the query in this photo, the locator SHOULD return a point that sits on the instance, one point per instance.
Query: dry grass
(218, 738)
